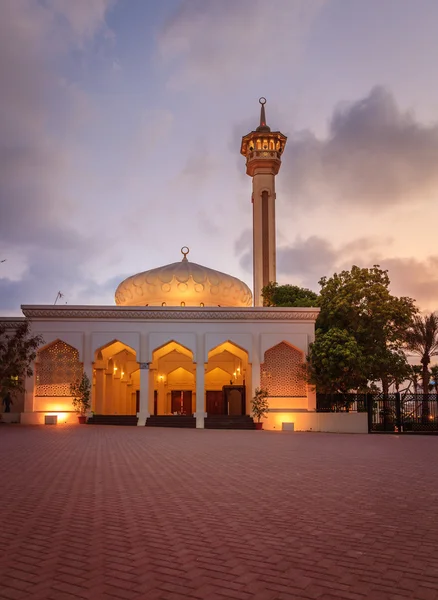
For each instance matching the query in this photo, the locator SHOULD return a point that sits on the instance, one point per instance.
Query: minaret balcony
(263, 161)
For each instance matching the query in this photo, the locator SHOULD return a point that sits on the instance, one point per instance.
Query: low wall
(314, 421)
(38, 418)
(10, 417)
(53, 404)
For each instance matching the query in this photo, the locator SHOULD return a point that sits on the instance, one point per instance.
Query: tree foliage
(422, 339)
(81, 391)
(288, 295)
(359, 331)
(260, 403)
(18, 348)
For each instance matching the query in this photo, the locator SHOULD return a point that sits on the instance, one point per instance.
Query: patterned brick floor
(129, 513)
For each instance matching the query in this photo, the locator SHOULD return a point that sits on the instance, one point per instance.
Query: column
(151, 387)
(108, 408)
(117, 408)
(99, 392)
(144, 413)
(123, 397)
(311, 398)
(200, 413)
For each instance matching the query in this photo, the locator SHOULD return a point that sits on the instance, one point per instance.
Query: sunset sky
(120, 128)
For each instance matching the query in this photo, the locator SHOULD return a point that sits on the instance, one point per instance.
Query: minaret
(262, 149)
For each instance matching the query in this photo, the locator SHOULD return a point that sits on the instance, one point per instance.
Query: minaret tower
(262, 149)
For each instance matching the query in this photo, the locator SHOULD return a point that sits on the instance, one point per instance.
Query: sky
(120, 129)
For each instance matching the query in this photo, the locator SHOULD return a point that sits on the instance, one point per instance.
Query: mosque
(184, 345)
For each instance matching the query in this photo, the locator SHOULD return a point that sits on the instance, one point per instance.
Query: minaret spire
(263, 126)
(263, 150)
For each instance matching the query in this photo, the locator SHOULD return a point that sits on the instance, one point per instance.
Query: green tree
(81, 391)
(422, 339)
(336, 362)
(414, 376)
(288, 295)
(434, 373)
(18, 348)
(358, 304)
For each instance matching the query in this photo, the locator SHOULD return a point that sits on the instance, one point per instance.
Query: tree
(288, 295)
(18, 349)
(81, 391)
(260, 404)
(414, 376)
(368, 324)
(336, 362)
(434, 373)
(422, 339)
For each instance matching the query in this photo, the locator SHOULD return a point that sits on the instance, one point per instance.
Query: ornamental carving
(281, 373)
(170, 314)
(58, 366)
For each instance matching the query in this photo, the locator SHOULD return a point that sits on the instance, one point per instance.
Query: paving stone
(105, 513)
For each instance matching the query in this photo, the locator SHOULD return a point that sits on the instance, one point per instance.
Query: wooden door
(234, 396)
(182, 402)
(215, 402)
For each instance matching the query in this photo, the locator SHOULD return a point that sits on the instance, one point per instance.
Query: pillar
(108, 394)
(144, 413)
(99, 391)
(311, 398)
(151, 386)
(200, 413)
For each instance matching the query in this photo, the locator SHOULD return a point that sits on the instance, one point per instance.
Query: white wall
(313, 421)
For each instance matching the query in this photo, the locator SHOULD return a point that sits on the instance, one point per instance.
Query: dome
(183, 284)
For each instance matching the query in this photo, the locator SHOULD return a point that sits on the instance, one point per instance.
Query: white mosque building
(185, 345)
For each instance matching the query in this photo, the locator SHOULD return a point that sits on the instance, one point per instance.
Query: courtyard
(130, 513)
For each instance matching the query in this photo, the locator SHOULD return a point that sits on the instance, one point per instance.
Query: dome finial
(184, 252)
(263, 126)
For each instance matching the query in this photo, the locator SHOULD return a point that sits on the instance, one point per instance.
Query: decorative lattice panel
(281, 373)
(57, 368)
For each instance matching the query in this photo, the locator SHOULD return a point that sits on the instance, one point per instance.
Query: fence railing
(387, 412)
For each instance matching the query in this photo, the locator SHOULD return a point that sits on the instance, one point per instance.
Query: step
(229, 422)
(178, 421)
(113, 420)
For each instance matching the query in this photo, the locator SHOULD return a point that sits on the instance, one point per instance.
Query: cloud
(307, 260)
(39, 114)
(208, 42)
(376, 156)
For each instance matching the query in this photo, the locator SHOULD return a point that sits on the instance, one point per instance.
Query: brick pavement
(130, 513)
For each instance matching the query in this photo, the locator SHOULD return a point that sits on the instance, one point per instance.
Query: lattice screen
(58, 366)
(280, 373)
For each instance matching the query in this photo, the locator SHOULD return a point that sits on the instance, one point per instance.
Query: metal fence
(391, 413)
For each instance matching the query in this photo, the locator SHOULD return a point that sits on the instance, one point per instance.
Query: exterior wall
(146, 329)
(313, 421)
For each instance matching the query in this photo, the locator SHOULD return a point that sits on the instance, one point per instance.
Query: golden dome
(183, 284)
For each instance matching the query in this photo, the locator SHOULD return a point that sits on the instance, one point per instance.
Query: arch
(156, 341)
(101, 340)
(281, 372)
(111, 348)
(173, 373)
(116, 387)
(56, 367)
(228, 346)
(170, 347)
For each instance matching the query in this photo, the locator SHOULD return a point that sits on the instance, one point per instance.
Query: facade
(168, 360)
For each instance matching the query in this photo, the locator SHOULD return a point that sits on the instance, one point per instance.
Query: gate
(403, 413)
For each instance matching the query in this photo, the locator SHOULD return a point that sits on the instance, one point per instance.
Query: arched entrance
(117, 380)
(227, 371)
(173, 374)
